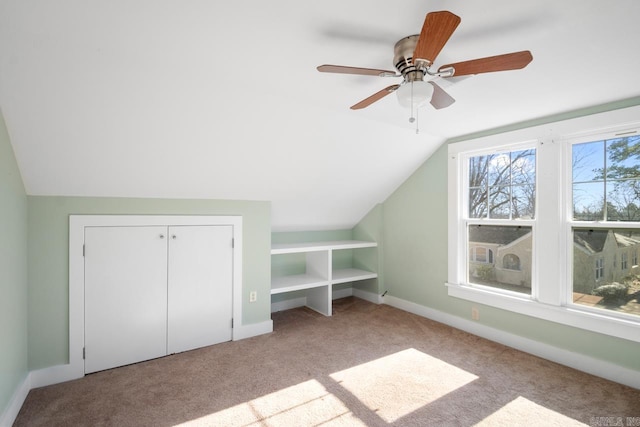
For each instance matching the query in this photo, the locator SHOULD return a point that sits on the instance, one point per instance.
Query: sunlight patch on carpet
(399, 384)
(523, 412)
(304, 404)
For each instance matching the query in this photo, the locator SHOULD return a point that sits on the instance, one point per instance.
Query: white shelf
(345, 275)
(319, 277)
(292, 248)
(296, 283)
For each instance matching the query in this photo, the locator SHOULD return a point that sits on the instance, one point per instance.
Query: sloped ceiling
(222, 100)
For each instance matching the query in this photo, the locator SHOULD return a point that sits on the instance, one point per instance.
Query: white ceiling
(221, 100)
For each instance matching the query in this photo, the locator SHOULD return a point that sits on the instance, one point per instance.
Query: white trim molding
(368, 296)
(10, 413)
(254, 329)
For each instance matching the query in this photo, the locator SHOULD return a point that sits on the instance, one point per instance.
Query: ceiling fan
(414, 57)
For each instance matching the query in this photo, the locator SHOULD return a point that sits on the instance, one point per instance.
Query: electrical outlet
(253, 296)
(475, 313)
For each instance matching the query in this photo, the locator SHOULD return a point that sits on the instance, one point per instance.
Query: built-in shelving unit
(319, 276)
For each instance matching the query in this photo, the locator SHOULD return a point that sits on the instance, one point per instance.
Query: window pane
(478, 187)
(623, 200)
(622, 158)
(499, 202)
(523, 167)
(478, 171)
(506, 261)
(587, 161)
(499, 169)
(588, 201)
(599, 280)
(477, 203)
(523, 199)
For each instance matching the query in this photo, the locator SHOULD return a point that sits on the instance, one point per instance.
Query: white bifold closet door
(153, 291)
(200, 286)
(125, 295)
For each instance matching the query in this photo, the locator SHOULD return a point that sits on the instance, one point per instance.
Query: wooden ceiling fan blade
(440, 98)
(375, 97)
(508, 61)
(436, 31)
(342, 69)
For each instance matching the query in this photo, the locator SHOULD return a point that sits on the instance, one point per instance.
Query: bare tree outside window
(502, 185)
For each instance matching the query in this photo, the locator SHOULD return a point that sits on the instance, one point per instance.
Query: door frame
(77, 224)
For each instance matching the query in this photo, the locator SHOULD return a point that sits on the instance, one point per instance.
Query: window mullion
(549, 233)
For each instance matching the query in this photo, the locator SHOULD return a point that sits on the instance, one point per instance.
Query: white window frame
(494, 222)
(551, 296)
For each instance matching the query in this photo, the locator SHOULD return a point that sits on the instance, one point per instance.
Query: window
(482, 255)
(500, 193)
(606, 191)
(599, 269)
(558, 206)
(511, 262)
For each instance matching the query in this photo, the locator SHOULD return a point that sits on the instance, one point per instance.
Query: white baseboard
(367, 296)
(573, 360)
(56, 374)
(11, 412)
(252, 330)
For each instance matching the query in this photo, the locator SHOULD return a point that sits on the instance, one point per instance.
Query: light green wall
(415, 236)
(48, 246)
(415, 269)
(13, 272)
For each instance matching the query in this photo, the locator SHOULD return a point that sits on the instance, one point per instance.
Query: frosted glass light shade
(422, 92)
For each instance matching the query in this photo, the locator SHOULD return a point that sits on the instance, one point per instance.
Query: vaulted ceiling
(222, 100)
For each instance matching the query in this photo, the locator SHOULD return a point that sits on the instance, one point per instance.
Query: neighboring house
(502, 253)
(603, 256)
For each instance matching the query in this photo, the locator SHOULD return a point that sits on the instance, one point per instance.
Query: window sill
(570, 316)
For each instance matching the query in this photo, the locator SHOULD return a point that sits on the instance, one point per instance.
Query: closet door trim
(77, 224)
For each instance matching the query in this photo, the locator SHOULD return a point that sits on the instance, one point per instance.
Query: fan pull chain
(412, 118)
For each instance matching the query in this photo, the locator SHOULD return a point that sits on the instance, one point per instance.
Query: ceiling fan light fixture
(414, 94)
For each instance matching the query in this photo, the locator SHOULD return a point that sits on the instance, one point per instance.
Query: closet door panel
(200, 286)
(125, 295)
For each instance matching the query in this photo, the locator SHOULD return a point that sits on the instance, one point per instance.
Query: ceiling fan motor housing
(403, 59)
